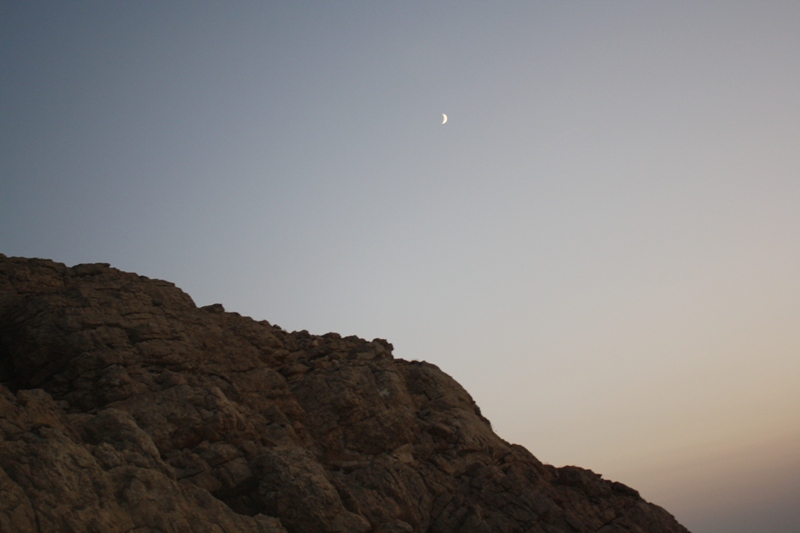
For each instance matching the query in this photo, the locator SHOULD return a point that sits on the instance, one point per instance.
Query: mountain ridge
(125, 407)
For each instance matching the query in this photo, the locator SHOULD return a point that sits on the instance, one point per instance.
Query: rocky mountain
(126, 408)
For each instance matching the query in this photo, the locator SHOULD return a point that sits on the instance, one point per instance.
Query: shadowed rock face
(124, 407)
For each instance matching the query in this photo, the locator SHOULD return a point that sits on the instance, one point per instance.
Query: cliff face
(124, 407)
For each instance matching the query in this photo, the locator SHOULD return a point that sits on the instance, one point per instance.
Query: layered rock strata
(125, 408)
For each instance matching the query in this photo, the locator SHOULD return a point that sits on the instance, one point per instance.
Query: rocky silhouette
(126, 408)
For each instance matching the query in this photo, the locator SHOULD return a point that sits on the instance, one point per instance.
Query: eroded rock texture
(125, 408)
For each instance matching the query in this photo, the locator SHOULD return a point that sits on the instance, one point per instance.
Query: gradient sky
(602, 244)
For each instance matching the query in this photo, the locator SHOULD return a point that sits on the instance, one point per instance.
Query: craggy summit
(125, 408)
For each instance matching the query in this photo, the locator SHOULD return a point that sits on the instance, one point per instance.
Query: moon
(444, 118)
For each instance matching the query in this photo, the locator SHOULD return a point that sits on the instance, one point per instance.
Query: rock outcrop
(125, 408)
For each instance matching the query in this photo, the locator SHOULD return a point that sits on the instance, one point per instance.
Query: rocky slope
(125, 408)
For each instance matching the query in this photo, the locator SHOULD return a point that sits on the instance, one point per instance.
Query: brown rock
(124, 407)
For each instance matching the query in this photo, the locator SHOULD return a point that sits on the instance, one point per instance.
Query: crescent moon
(444, 118)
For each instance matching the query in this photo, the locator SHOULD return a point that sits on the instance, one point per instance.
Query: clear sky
(602, 244)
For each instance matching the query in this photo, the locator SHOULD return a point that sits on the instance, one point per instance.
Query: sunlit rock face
(124, 407)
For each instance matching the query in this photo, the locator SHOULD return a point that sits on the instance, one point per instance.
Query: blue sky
(602, 243)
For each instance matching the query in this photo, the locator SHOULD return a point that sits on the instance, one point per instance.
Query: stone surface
(124, 407)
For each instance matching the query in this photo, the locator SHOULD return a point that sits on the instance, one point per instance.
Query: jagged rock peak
(125, 407)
